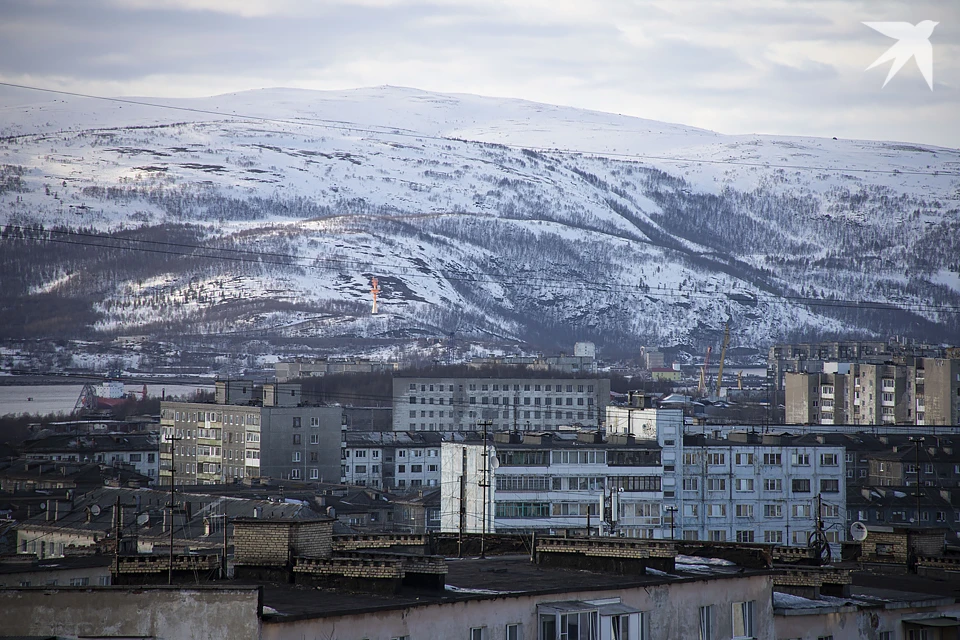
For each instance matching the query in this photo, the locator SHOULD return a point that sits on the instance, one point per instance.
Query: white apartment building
(740, 486)
(552, 482)
(760, 488)
(522, 404)
(391, 460)
(658, 484)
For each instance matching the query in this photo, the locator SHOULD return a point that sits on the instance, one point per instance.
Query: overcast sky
(793, 67)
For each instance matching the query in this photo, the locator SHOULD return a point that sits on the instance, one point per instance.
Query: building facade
(924, 392)
(393, 461)
(522, 404)
(217, 443)
(140, 451)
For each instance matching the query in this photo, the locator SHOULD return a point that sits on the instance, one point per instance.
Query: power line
(563, 284)
(388, 130)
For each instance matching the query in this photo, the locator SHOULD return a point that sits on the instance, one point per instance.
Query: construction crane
(702, 389)
(723, 355)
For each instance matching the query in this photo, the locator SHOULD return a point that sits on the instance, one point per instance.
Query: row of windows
(769, 459)
(746, 485)
(556, 388)
(746, 510)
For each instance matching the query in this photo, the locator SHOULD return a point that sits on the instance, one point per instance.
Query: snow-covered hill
(493, 218)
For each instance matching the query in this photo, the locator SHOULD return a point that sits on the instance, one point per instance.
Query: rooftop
(473, 579)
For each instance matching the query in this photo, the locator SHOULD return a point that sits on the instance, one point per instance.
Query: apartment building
(524, 404)
(816, 398)
(749, 487)
(924, 392)
(393, 461)
(227, 441)
(744, 488)
(138, 450)
(552, 482)
(934, 392)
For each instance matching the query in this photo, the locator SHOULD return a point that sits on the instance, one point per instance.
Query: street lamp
(672, 510)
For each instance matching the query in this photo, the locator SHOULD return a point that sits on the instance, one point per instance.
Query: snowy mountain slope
(466, 235)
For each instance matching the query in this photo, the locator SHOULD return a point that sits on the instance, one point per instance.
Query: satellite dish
(143, 519)
(858, 531)
(43, 506)
(495, 463)
(95, 510)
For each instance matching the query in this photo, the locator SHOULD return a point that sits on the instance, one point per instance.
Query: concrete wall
(277, 448)
(849, 623)
(673, 613)
(33, 577)
(157, 612)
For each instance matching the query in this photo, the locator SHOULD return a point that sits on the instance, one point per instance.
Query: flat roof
(477, 579)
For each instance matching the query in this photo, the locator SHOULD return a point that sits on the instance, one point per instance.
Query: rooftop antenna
(375, 290)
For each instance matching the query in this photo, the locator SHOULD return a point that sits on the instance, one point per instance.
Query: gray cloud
(781, 66)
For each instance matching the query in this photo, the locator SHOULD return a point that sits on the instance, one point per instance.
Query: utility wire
(387, 130)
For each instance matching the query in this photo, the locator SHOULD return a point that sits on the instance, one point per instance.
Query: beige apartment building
(924, 392)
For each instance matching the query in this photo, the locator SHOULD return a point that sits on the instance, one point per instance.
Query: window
(743, 619)
(314, 438)
(296, 438)
(775, 537)
(829, 459)
(800, 459)
(772, 459)
(476, 633)
(296, 422)
(773, 484)
(744, 458)
(744, 484)
(745, 535)
(800, 510)
(716, 484)
(79, 582)
(296, 456)
(744, 510)
(801, 485)
(716, 458)
(716, 510)
(706, 623)
(829, 486)
(691, 484)
(772, 511)
(514, 631)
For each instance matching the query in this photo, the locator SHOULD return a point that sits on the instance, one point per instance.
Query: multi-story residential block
(394, 461)
(524, 404)
(273, 437)
(935, 393)
(924, 392)
(746, 487)
(816, 398)
(761, 488)
(316, 367)
(817, 358)
(138, 450)
(551, 482)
